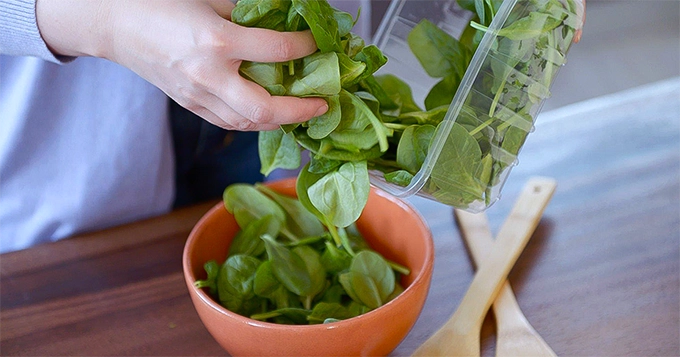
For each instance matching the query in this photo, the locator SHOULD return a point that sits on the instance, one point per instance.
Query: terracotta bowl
(391, 227)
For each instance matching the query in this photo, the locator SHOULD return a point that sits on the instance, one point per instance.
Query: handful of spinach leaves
(373, 122)
(284, 267)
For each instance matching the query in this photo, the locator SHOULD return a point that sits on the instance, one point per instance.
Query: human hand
(188, 49)
(579, 32)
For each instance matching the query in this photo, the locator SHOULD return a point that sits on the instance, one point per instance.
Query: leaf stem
(395, 126)
(345, 241)
(398, 267)
(478, 26)
(265, 315)
(288, 234)
(482, 126)
(334, 233)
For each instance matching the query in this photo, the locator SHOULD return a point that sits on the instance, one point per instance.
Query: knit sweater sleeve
(19, 33)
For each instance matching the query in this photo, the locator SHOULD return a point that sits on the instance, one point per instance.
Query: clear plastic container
(497, 100)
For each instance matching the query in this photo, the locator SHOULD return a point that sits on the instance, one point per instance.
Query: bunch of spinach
(335, 184)
(503, 101)
(373, 122)
(284, 267)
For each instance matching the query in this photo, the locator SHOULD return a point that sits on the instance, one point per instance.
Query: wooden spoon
(515, 335)
(460, 334)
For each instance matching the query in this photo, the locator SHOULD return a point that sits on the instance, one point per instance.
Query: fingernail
(322, 109)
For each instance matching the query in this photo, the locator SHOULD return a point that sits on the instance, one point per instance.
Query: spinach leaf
(315, 269)
(247, 241)
(438, 52)
(530, 26)
(266, 284)
(335, 259)
(320, 76)
(351, 71)
(291, 315)
(334, 294)
(433, 116)
(326, 149)
(212, 269)
(304, 181)
(322, 165)
(253, 13)
(299, 220)
(413, 147)
(357, 309)
(480, 9)
(277, 149)
(399, 177)
(454, 171)
(398, 289)
(345, 21)
(247, 204)
(235, 283)
(467, 4)
(294, 21)
(442, 93)
(319, 127)
(267, 75)
(320, 17)
(357, 116)
(398, 91)
(289, 268)
(370, 280)
(372, 57)
(323, 311)
(372, 85)
(341, 195)
(352, 44)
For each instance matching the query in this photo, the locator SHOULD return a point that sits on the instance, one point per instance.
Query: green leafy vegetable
(438, 52)
(277, 149)
(373, 120)
(370, 280)
(235, 284)
(247, 241)
(299, 282)
(212, 269)
(341, 194)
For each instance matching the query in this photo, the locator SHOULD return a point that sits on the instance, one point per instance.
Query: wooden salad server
(514, 334)
(460, 334)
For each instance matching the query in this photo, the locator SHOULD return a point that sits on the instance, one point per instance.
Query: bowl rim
(419, 280)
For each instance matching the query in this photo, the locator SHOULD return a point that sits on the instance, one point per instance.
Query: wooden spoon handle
(512, 238)
(475, 230)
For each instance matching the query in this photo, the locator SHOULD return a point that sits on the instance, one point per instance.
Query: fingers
(581, 11)
(262, 45)
(257, 106)
(220, 114)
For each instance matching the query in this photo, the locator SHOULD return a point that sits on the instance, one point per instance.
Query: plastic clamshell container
(497, 100)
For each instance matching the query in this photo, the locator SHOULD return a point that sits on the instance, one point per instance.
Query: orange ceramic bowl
(391, 226)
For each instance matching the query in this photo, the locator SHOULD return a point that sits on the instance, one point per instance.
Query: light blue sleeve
(19, 33)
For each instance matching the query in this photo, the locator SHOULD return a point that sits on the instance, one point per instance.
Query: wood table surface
(600, 276)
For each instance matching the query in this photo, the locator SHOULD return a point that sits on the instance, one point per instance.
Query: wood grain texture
(599, 277)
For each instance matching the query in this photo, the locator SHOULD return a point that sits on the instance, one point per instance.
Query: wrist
(75, 27)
